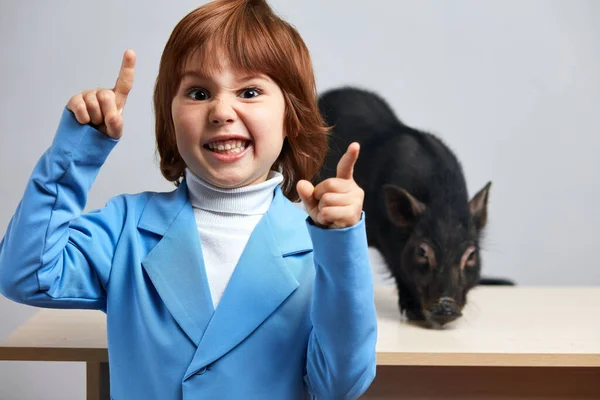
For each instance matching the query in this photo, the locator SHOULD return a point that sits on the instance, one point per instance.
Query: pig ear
(403, 209)
(478, 206)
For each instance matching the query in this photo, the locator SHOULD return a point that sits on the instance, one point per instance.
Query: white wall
(513, 86)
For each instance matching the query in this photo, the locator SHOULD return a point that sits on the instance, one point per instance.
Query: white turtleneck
(225, 220)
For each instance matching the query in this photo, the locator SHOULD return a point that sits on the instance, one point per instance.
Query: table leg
(98, 383)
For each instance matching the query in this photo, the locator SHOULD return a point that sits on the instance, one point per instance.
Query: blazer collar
(260, 282)
(163, 208)
(175, 264)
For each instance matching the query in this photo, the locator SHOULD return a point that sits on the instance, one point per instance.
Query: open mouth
(233, 146)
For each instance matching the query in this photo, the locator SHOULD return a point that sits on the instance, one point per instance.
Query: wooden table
(511, 343)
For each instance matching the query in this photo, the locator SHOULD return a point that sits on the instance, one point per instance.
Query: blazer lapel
(260, 282)
(175, 265)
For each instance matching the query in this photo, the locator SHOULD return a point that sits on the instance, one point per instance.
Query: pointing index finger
(345, 167)
(125, 79)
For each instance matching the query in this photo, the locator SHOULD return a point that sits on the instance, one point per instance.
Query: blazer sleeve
(341, 355)
(51, 255)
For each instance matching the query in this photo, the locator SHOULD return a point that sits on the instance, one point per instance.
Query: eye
(469, 258)
(201, 94)
(249, 93)
(423, 254)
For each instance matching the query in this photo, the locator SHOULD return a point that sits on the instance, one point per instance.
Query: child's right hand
(104, 107)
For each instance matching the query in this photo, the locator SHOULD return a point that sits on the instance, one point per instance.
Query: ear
(402, 208)
(478, 206)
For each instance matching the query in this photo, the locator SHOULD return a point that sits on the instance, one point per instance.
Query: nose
(448, 306)
(221, 113)
(445, 311)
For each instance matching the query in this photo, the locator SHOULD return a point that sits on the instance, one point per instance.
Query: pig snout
(445, 310)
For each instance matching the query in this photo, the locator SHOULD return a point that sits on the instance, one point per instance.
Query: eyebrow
(242, 79)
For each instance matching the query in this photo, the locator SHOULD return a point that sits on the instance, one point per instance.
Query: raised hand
(336, 202)
(104, 107)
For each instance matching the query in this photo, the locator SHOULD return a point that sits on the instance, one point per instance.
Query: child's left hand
(336, 202)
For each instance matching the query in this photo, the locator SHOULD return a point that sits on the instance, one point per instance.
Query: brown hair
(254, 39)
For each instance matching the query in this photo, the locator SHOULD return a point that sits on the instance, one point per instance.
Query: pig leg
(408, 302)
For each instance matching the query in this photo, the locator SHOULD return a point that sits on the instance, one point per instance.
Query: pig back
(355, 115)
(391, 153)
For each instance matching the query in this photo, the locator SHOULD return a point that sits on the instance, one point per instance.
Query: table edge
(488, 359)
(383, 358)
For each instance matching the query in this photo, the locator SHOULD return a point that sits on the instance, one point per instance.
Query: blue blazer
(297, 319)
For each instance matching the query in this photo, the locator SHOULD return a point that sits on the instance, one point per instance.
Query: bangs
(245, 37)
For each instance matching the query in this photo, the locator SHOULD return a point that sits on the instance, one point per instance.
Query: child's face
(229, 126)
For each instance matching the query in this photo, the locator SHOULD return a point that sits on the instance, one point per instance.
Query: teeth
(233, 146)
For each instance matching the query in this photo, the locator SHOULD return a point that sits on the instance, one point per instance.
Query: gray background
(512, 86)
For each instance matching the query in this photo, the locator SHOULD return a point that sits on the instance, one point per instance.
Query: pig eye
(469, 258)
(423, 255)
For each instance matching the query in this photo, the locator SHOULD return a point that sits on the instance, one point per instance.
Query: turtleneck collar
(247, 200)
